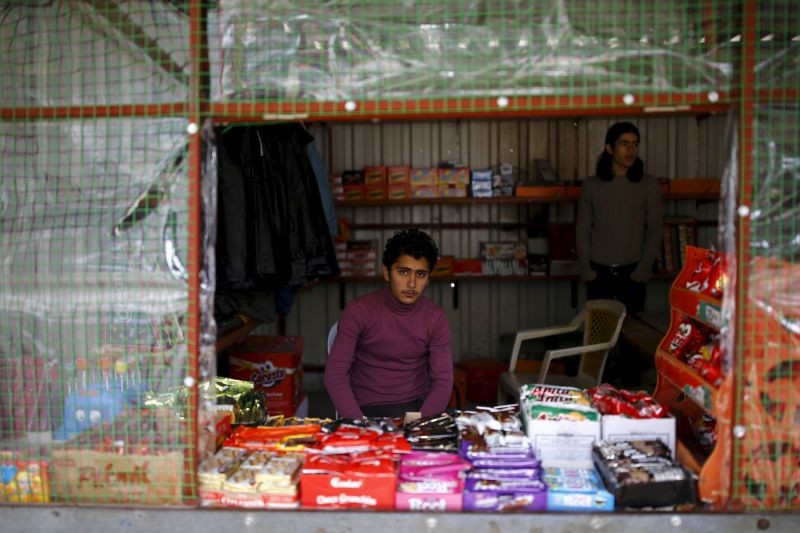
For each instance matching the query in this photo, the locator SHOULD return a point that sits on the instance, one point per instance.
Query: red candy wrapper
(635, 404)
(708, 276)
(688, 339)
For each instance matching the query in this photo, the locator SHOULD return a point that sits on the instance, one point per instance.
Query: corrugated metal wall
(489, 311)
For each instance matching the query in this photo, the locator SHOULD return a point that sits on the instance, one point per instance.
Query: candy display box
(616, 428)
(560, 443)
(273, 364)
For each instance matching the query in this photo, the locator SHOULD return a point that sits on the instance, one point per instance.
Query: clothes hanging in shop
(273, 231)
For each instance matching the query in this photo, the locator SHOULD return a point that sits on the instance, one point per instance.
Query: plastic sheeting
(350, 49)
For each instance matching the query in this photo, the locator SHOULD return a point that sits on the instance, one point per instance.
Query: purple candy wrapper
(505, 495)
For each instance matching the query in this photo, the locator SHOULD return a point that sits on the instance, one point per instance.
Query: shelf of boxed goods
(691, 386)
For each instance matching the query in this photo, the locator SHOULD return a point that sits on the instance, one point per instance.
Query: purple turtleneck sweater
(388, 352)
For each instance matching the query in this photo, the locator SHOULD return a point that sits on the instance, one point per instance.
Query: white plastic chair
(601, 321)
(331, 337)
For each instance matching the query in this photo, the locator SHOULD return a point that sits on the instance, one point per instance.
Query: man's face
(408, 278)
(624, 153)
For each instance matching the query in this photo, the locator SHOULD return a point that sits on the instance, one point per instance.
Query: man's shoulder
(429, 307)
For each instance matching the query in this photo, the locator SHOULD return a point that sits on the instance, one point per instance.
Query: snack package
(576, 489)
(635, 404)
(688, 338)
(550, 402)
(708, 275)
(642, 474)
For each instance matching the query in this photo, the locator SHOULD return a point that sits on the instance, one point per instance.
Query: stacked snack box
(505, 475)
(561, 423)
(398, 178)
(353, 465)
(357, 257)
(424, 182)
(453, 182)
(375, 182)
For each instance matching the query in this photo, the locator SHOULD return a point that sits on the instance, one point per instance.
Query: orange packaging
(541, 191)
(399, 191)
(398, 174)
(467, 266)
(375, 175)
(272, 363)
(355, 192)
(376, 191)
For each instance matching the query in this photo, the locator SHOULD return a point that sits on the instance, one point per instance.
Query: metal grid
(355, 58)
(95, 329)
(104, 244)
(766, 451)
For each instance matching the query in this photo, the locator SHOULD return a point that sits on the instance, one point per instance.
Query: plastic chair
(331, 337)
(601, 321)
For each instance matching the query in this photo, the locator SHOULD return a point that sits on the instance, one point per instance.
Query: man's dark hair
(413, 242)
(605, 169)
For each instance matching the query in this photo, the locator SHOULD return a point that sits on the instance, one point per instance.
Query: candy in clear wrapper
(248, 405)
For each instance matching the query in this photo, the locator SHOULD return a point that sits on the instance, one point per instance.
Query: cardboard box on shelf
(454, 176)
(424, 191)
(352, 177)
(355, 191)
(540, 191)
(452, 190)
(424, 176)
(398, 191)
(375, 191)
(375, 175)
(398, 174)
(468, 266)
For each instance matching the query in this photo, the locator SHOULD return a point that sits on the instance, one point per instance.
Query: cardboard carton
(90, 476)
(616, 428)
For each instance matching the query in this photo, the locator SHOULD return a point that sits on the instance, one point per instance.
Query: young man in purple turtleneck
(392, 350)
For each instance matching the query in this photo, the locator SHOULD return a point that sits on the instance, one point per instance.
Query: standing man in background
(620, 222)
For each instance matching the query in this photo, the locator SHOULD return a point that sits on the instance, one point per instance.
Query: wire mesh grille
(412, 57)
(95, 329)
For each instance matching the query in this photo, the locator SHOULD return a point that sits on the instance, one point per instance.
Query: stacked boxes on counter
(553, 453)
